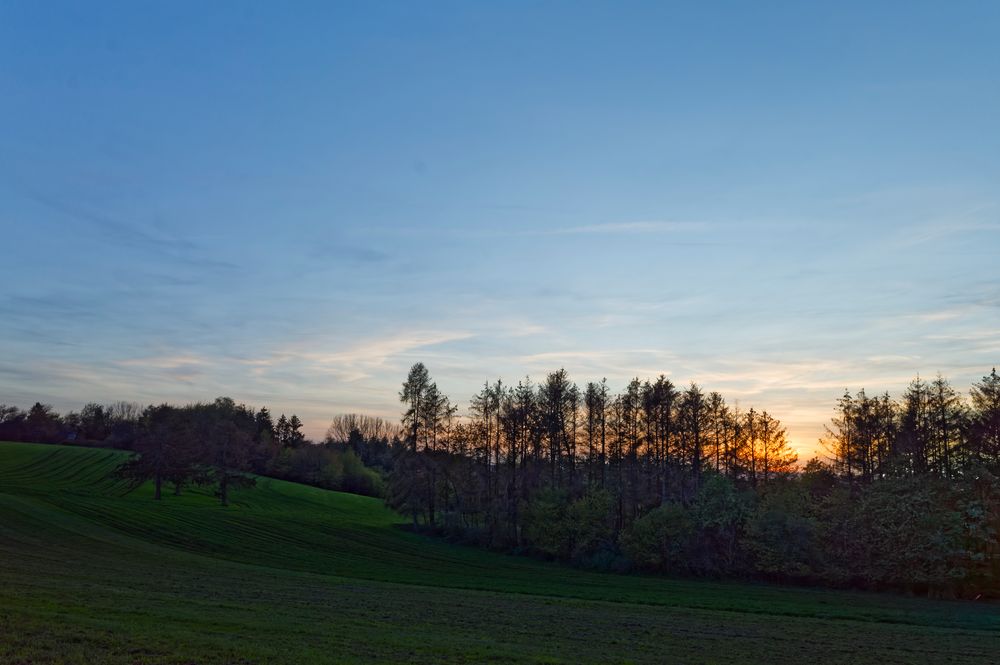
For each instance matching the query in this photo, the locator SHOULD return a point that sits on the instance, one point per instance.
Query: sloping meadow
(93, 572)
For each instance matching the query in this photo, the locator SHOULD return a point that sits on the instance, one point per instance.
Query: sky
(291, 203)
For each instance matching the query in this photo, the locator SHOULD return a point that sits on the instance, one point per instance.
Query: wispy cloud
(165, 362)
(347, 252)
(128, 233)
(983, 218)
(358, 361)
(617, 365)
(640, 227)
(135, 235)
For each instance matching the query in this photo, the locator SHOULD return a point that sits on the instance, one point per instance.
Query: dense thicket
(675, 480)
(219, 444)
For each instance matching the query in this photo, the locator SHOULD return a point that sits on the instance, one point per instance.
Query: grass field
(293, 574)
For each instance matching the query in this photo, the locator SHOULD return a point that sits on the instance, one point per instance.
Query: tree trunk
(224, 488)
(430, 495)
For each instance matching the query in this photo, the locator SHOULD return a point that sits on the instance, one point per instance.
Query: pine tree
(414, 394)
(984, 436)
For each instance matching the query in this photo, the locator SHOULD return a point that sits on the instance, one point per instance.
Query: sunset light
(443, 331)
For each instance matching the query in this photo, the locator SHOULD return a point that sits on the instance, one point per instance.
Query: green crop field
(293, 574)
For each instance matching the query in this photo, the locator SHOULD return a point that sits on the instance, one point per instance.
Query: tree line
(662, 478)
(221, 444)
(654, 477)
(931, 431)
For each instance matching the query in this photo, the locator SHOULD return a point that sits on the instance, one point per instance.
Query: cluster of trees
(201, 443)
(931, 431)
(113, 425)
(676, 480)
(374, 440)
(649, 444)
(219, 443)
(354, 457)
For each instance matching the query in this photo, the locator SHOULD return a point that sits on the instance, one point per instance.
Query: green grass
(294, 574)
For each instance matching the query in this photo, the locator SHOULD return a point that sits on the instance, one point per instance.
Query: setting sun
(514, 332)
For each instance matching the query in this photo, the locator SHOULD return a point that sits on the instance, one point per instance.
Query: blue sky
(290, 203)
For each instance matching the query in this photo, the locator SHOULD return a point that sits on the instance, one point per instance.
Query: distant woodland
(219, 444)
(654, 478)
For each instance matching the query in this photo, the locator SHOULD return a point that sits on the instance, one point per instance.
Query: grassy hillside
(291, 573)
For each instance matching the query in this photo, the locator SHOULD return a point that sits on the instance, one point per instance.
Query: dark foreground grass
(293, 574)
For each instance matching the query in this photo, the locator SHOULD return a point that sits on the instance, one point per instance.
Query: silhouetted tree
(984, 439)
(226, 430)
(414, 395)
(948, 425)
(915, 445)
(295, 436)
(94, 422)
(164, 449)
(42, 424)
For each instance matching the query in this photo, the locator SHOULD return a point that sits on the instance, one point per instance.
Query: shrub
(660, 539)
